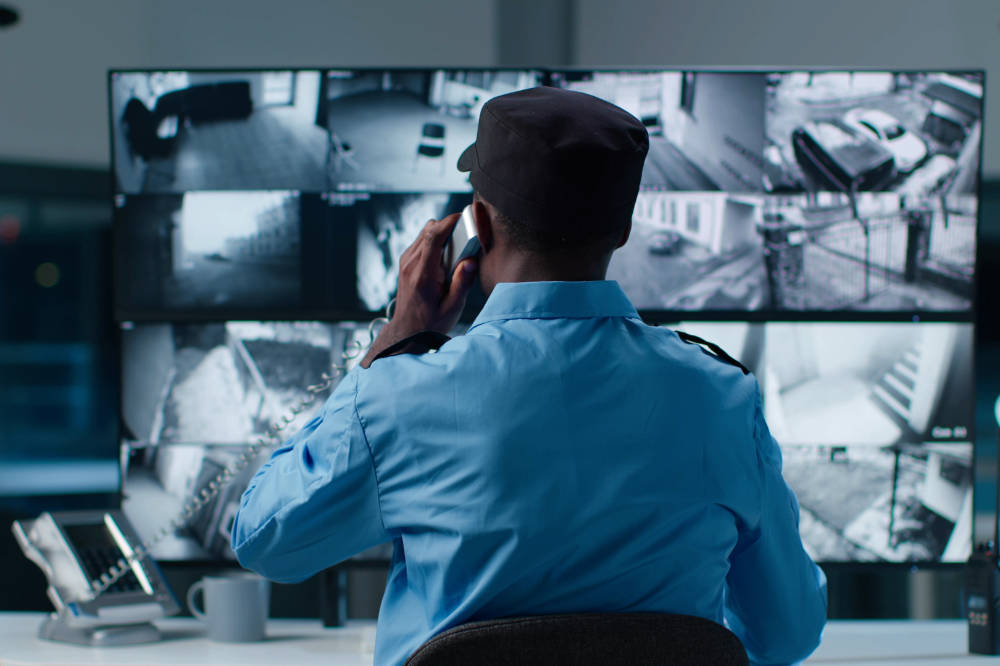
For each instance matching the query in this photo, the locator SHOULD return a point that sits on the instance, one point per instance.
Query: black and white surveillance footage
(209, 250)
(897, 504)
(867, 384)
(692, 251)
(403, 130)
(914, 133)
(224, 383)
(196, 395)
(159, 479)
(706, 129)
(181, 131)
(883, 252)
(387, 224)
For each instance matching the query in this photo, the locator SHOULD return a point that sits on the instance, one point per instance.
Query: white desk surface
(297, 642)
(859, 643)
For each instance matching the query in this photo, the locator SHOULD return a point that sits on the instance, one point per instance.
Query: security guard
(562, 456)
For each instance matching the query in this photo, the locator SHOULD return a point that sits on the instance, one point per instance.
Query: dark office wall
(59, 216)
(57, 363)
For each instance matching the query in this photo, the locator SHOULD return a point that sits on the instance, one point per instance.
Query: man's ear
(483, 218)
(628, 230)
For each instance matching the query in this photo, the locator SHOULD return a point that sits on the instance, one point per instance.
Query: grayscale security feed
(224, 383)
(209, 249)
(873, 421)
(913, 133)
(909, 503)
(873, 384)
(196, 395)
(387, 224)
(706, 129)
(403, 131)
(176, 131)
(885, 251)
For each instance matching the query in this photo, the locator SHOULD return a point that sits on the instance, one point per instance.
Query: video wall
(819, 225)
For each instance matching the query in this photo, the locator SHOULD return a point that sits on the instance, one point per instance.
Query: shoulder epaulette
(711, 349)
(418, 343)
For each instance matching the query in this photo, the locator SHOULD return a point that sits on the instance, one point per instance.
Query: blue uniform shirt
(560, 457)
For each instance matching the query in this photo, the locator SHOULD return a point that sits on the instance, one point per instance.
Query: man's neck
(530, 267)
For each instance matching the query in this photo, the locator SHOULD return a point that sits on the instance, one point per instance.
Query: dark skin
(425, 302)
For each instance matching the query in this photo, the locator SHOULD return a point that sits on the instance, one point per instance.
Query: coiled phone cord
(272, 437)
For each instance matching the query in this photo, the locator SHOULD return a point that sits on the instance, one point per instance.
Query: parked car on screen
(842, 158)
(667, 241)
(908, 150)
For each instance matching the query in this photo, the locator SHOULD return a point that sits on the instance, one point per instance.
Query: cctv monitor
(821, 226)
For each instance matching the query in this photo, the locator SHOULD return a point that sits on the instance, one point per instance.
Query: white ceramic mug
(236, 606)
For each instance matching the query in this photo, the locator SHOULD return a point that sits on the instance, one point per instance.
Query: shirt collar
(556, 300)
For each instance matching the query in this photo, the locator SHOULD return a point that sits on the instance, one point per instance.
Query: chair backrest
(598, 639)
(433, 131)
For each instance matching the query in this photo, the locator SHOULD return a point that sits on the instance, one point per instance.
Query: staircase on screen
(895, 390)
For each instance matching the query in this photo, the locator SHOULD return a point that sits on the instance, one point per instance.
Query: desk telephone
(75, 548)
(105, 588)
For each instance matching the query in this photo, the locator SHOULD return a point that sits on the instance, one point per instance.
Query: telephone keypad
(97, 561)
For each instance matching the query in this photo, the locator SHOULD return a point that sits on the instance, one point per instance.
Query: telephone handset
(463, 243)
(75, 548)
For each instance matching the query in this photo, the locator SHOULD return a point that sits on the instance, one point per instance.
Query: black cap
(557, 159)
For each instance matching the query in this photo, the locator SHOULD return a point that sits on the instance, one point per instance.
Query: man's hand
(424, 300)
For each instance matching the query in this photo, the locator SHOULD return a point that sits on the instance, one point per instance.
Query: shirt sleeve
(775, 593)
(315, 502)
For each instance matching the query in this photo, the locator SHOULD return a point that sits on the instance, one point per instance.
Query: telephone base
(55, 628)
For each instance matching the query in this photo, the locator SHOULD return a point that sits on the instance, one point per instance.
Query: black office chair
(598, 639)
